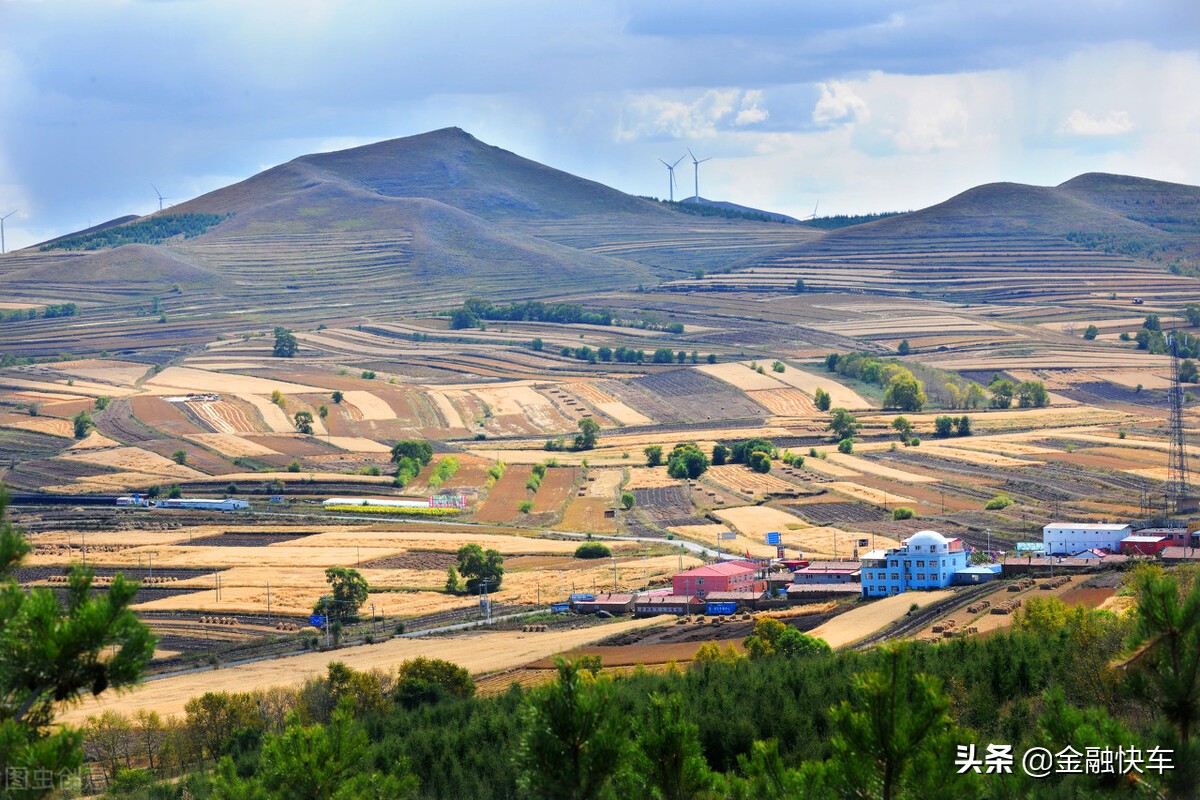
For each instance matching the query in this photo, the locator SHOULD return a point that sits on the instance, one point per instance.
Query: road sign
(317, 620)
(726, 535)
(864, 542)
(773, 537)
(779, 552)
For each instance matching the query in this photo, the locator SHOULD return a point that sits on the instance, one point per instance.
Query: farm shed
(810, 592)
(1144, 545)
(1181, 554)
(667, 604)
(372, 501)
(1046, 566)
(829, 572)
(225, 504)
(612, 603)
(743, 599)
(1066, 538)
(973, 575)
(780, 580)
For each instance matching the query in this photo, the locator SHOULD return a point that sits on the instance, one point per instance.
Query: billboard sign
(316, 620)
(447, 501)
(1030, 547)
(773, 537)
(576, 598)
(863, 542)
(726, 535)
(720, 609)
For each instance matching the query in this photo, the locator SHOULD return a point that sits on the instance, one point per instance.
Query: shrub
(846, 445)
(627, 500)
(525, 506)
(179, 457)
(593, 550)
(368, 374)
(294, 466)
(759, 461)
(903, 512)
(998, 502)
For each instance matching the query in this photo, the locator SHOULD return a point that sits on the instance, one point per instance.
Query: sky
(855, 106)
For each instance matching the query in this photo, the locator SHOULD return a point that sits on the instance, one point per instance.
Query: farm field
(476, 652)
(198, 404)
(870, 617)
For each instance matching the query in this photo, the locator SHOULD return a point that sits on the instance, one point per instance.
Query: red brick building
(723, 576)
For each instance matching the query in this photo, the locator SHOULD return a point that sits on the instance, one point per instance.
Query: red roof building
(1144, 545)
(723, 576)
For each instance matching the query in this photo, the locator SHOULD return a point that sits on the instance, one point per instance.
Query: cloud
(650, 116)
(1081, 123)
(839, 104)
(750, 113)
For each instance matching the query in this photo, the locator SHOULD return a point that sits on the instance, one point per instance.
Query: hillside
(1001, 241)
(405, 226)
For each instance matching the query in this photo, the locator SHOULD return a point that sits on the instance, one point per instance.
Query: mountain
(450, 166)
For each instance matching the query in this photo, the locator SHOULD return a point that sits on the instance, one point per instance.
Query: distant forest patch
(153, 230)
(1119, 244)
(475, 310)
(846, 220)
(705, 210)
(52, 311)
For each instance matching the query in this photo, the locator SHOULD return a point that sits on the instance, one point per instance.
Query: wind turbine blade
(676, 164)
(665, 164)
(691, 154)
(701, 161)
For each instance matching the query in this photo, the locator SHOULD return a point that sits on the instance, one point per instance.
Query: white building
(925, 560)
(1069, 538)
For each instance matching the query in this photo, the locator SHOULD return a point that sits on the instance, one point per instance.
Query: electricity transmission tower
(1178, 484)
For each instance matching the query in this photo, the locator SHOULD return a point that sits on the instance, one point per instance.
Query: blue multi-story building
(925, 560)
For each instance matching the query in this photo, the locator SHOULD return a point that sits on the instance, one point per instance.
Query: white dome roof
(927, 538)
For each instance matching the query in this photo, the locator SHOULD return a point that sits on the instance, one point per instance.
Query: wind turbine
(671, 170)
(696, 166)
(813, 215)
(6, 216)
(160, 197)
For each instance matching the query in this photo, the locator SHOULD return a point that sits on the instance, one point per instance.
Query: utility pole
(614, 574)
(150, 558)
(372, 619)
(268, 602)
